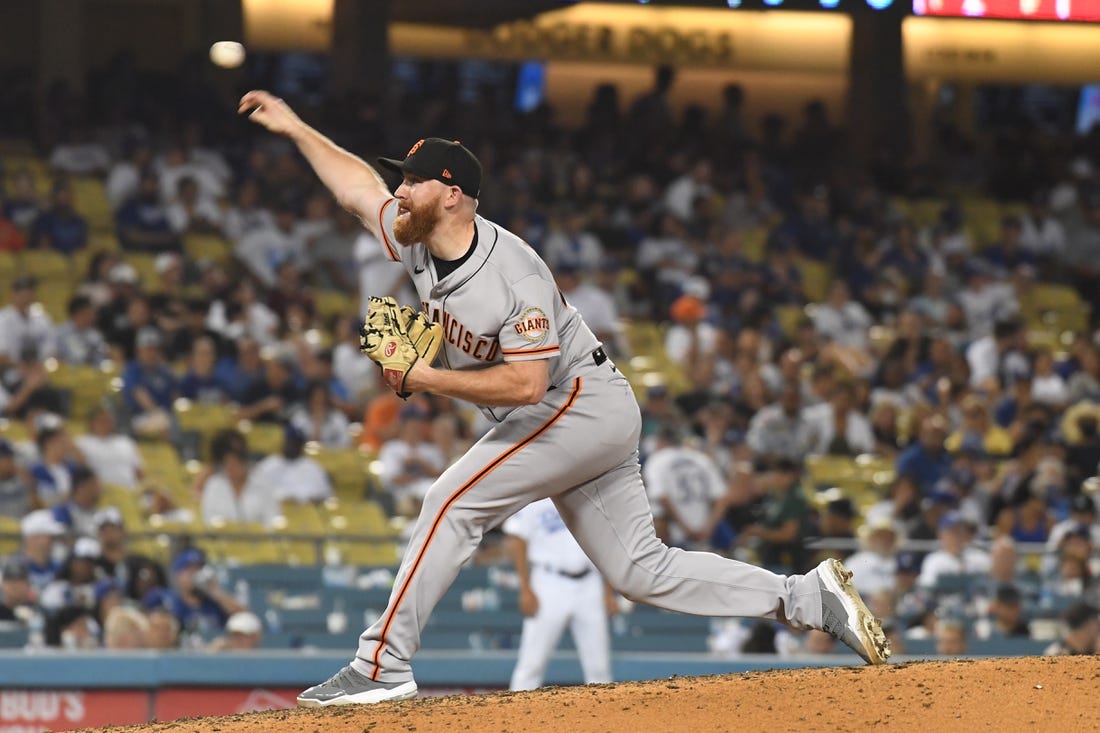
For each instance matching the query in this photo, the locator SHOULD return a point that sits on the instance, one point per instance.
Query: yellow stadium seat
(145, 264)
(128, 504)
(754, 244)
(90, 198)
(298, 518)
(347, 468)
(816, 278)
(88, 386)
(204, 419)
(9, 535)
(48, 266)
(330, 303)
(788, 317)
(14, 430)
(263, 438)
(243, 543)
(209, 247)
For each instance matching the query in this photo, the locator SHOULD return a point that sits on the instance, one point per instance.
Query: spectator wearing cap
(60, 227)
(149, 387)
(319, 421)
(113, 456)
(1081, 633)
(785, 515)
(410, 461)
(23, 328)
(1007, 253)
(836, 520)
(243, 632)
(196, 599)
(950, 636)
(1082, 513)
(142, 223)
(74, 583)
(73, 628)
(78, 513)
(78, 340)
(874, 566)
(569, 241)
(40, 531)
(291, 475)
(926, 461)
(838, 428)
(134, 573)
(22, 203)
(113, 314)
(841, 320)
(16, 494)
(17, 603)
(808, 228)
(272, 398)
(192, 328)
(232, 493)
(955, 556)
(781, 429)
(55, 468)
(201, 382)
(1048, 387)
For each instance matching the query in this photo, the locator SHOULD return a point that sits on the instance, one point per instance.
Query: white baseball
(227, 54)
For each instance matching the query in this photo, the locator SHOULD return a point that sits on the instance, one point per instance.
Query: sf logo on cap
(415, 147)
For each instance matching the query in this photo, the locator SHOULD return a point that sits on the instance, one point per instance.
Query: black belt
(566, 574)
(599, 356)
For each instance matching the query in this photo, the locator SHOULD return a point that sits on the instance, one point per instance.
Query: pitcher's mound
(1021, 694)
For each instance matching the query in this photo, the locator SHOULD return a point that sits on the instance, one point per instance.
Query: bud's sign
(35, 711)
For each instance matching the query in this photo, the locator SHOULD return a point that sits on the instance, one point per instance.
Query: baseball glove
(394, 338)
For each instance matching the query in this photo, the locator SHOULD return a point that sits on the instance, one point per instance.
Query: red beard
(417, 226)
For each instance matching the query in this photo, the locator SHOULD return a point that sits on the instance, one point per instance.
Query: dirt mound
(1025, 694)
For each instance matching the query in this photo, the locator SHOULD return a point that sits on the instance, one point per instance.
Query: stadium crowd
(932, 321)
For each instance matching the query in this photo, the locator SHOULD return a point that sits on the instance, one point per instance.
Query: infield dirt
(1060, 694)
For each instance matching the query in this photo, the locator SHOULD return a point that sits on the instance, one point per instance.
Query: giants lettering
(479, 347)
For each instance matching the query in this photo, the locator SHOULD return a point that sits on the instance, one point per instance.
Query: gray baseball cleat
(348, 687)
(844, 615)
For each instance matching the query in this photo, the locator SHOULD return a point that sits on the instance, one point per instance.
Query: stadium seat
(208, 247)
(816, 278)
(87, 386)
(9, 535)
(263, 438)
(332, 303)
(90, 199)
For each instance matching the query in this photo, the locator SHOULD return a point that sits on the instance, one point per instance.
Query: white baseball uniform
(579, 446)
(570, 592)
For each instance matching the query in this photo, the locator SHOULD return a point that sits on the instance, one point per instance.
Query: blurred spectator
(125, 628)
(238, 375)
(234, 493)
(874, 566)
(838, 428)
(1082, 513)
(1082, 253)
(134, 573)
(1027, 519)
(290, 301)
(595, 306)
(164, 630)
(196, 599)
(190, 214)
(22, 203)
(808, 228)
(410, 462)
(274, 396)
(125, 175)
(78, 513)
(978, 432)
(781, 429)
(201, 382)
(691, 338)
(175, 166)
(142, 223)
(78, 340)
(73, 628)
(60, 228)
(11, 238)
(837, 520)
(950, 637)
(665, 258)
(1042, 235)
(121, 281)
(149, 387)
(40, 533)
(24, 328)
(842, 320)
(193, 328)
(53, 472)
(785, 513)
(1084, 384)
(291, 475)
(74, 583)
(570, 243)
(1006, 254)
(16, 495)
(986, 302)
(684, 487)
(113, 456)
(244, 315)
(350, 366)
(816, 642)
(245, 214)
(682, 193)
(243, 632)
(1047, 385)
(261, 251)
(955, 555)
(926, 461)
(1081, 634)
(16, 597)
(319, 421)
(80, 155)
(332, 254)
(1007, 612)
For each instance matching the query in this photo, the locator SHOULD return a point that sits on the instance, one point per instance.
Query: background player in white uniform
(683, 485)
(566, 423)
(559, 586)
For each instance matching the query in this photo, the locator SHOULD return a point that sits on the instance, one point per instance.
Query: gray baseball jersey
(579, 446)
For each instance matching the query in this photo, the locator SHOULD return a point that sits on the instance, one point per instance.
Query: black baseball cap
(437, 159)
